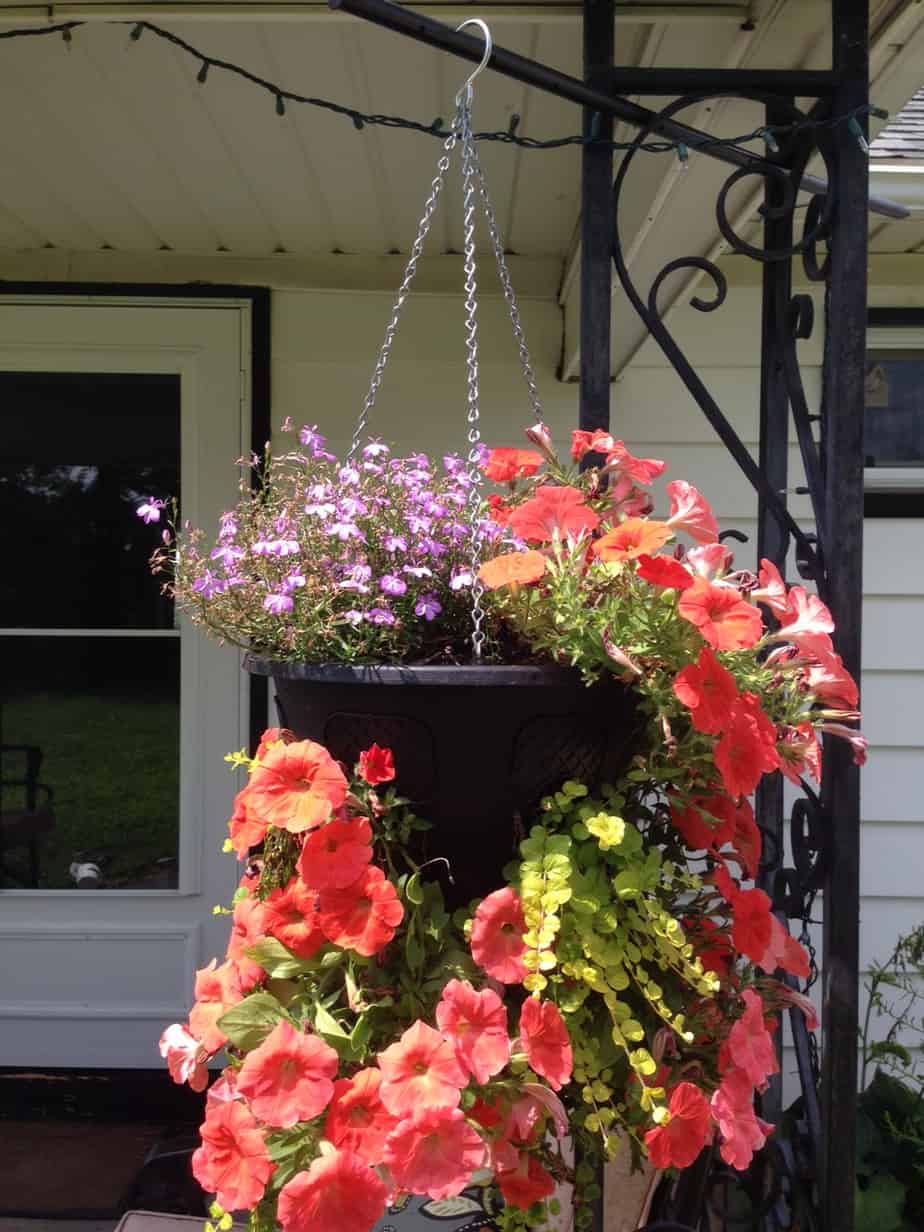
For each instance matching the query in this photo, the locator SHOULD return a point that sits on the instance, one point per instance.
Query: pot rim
(464, 674)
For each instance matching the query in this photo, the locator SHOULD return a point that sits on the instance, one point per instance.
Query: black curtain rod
(530, 72)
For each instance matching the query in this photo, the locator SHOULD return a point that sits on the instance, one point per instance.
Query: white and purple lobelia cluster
(367, 548)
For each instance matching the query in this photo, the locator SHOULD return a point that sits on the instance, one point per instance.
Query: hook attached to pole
(466, 89)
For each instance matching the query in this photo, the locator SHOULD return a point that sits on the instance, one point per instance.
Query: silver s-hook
(466, 90)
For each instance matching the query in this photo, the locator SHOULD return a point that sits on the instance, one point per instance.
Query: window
(893, 424)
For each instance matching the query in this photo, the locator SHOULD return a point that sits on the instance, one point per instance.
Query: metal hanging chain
(475, 473)
(423, 228)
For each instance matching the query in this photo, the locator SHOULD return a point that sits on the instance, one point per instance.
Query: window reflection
(893, 424)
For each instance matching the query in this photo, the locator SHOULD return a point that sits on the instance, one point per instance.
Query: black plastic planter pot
(474, 746)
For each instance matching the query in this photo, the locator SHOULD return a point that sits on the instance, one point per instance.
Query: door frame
(258, 302)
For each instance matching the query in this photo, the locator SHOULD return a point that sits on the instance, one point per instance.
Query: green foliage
(248, 1023)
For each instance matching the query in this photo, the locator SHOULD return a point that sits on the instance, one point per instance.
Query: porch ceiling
(117, 146)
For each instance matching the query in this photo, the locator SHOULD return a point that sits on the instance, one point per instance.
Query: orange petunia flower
(337, 854)
(217, 989)
(296, 786)
(553, 512)
(291, 916)
(338, 1193)
(233, 1162)
(289, 1077)
(505, 464)
(678, 1142)
(363, 916)
(248, 926)
(246, 831)
(725, 620)
(512, 569)
(357, 1120)
(630, 539)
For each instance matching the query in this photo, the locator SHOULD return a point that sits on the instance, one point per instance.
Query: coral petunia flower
(248, 926)
(217, 989)
(525, 1184)
(476, 1024)
(497, 937)
(725, 620)
(291, 916)
(245, 830)
(357, 1120)
(805, 615)
(747, 748)
(185, 1057)
(232, 1162)
(690, 512)
(296, 786)
(584, 442)
(709, 560)
(545, 1041)
(664, 571)
(830, 681)
(745, 841)
(749, 1046)
(513, 569)
(420, 1071)
(335, 856)
(553, 513)
(643, 470)
(505, 464)
(289, 1077)
(376, 765)
(742, 1132)
(678, 1142)
(772, 590)
(783, 951)
(364, 915)
(272, 735)
(338, 1193)
(752, 928)
(700, 832)
(631, 539)
(434, 1152)
(708, 690)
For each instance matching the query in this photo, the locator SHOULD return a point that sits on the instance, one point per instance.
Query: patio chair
(24, 827)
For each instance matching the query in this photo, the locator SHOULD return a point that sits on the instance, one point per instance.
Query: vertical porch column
(596, 224)
(842, 453)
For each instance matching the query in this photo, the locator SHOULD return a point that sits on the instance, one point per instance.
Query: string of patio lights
(770, 135)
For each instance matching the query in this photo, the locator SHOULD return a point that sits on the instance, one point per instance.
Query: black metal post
(842, 453)
(772, 534)
(596, 225)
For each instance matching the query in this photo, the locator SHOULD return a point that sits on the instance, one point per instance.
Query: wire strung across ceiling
(770, 135)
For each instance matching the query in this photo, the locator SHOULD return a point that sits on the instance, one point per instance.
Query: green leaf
(327, 1025)
(249, 1023)
(413, 891)
(278, 962)
(878, 1208)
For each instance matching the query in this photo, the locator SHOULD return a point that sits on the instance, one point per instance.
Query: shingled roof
(902, 139)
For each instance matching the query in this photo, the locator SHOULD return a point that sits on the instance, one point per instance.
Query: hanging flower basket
(476, 746)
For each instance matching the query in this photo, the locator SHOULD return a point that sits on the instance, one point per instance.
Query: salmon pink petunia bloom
(805, 615)
(248, 926)
(752, 927)
(512, 569)
(364, 915)
(742, 1132)
(664, 571)
(690, 512)
(747, 748)
(708, 690)
(505, 464)
(725, 620)
(357, 1120)
(497, 937)
(643, 470)
(830, 681)
(783, 951)
(376, 765)
(476, 1023)
(232, 1162)
(420, 1071)
(709, 560)
(296, 786)
(434, 1152)
(749, 1046)
(272, 735)
(772, 590)
(185, 1057)
(553, 513)
(678, 1142)
(525, 1184)
(545, 1041)
(291, 916)
(799, 752)
(336, 855)
(289, 1077)
(338, 1193)
(217, 989)
(244, 828)
(631, 539)
(595, 441)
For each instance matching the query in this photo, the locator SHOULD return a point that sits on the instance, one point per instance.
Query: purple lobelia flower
(353, 617)
(394, 543)
(228, 554)
(345, 531)
(460, 579)
(428, 606)
(433, 547)
(417, 571)
(348, 475)
(279, 605)
(149, 511)
(392, 585)
(295, 581)
(380, 616)
(208, 585)
(376, 449)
